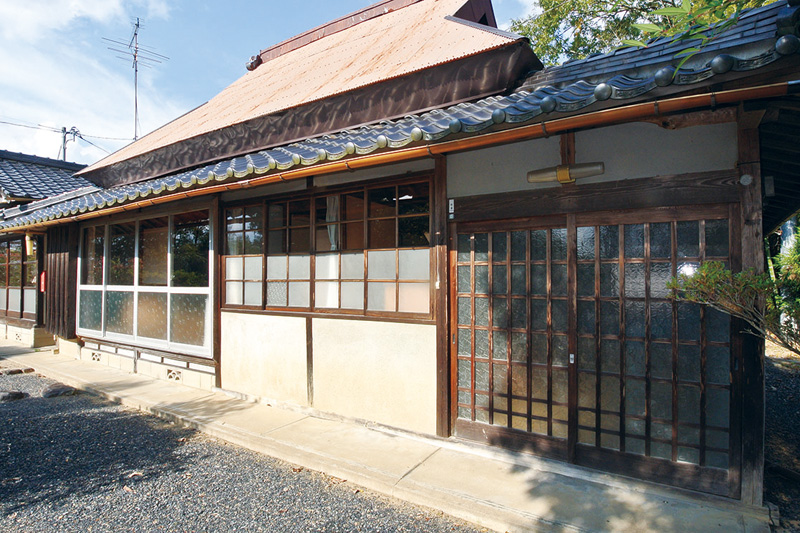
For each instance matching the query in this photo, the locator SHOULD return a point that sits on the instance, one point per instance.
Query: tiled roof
(31, 177)
(519, 108)
(397, 43)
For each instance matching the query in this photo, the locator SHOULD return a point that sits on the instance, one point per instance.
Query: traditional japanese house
(29, 183)
(402, 218)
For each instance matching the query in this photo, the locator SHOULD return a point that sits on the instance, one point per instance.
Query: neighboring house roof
(28, 177)
(521, 108)
(406, 38)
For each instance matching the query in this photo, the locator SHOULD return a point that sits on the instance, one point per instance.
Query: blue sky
(56, 70)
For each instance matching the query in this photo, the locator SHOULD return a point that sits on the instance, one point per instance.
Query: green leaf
(670, 11)
(686, 5)
(648, 28)
(632, 42)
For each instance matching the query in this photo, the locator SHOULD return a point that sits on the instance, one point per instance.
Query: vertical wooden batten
(442, 284)
(61, 265)
(752, 387)
(217, 222)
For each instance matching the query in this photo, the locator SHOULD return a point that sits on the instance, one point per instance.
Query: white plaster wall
(384, 171)
(265, 356)
(629, 151)
(379, 371)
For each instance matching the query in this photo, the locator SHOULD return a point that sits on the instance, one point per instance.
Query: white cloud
(53, 75)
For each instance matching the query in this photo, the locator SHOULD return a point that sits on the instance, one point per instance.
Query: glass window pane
(661, 320)
(252, 293)
(634, 240)
(92, 259)
(381, 233)
(381, 202)
(586, 243)
(277, 294)
(276, 217)
(300, 240)
(499, 246)
(499, 279)
(90, 311)
(413, 199)
(30, 300)
(234, 218)
(276, 267)
(234, 294)
(327, 266)
(353, 266)
(660, 275)
(718, 365)
(415, 264)
(586, 279)
(326, 294)
(634, 280)
(299, 294)
(190, 238)
(381, 265)
(381, 296)
(276, 242)
(152, 315)
(481, 279)
(609, 242)
(15, 274)
(558, 247)
(234, 244)
(14, 299)
(661, 240)
(661, 360)
(300, 213)
(327, 236)
(252, 268)
(688, 239)
(413, 231)
(353, 206)
(352, 235)
(119, 312)
(153, 242)
(188, 319)
(716, 238)
(414, 298)
(299, 267)
(609, 280)
(353, 295)
(253, 218)
(3, 272)
(253, 242)
(234, 268)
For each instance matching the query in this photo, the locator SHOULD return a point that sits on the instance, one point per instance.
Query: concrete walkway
(500, 490)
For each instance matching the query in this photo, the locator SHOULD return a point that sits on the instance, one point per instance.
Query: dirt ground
(782, 473)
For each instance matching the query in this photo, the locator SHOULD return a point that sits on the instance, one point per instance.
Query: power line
(56, 130)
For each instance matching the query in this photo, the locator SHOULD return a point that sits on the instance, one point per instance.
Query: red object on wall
(43, 281)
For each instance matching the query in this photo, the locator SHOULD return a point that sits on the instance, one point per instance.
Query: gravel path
(78, 463)
(783, 433)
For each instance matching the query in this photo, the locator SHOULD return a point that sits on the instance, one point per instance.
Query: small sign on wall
(451, 208)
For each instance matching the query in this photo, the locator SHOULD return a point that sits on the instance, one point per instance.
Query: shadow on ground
(54, 448)
(782, 436)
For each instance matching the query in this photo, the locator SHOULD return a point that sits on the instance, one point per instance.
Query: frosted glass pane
(327, 266)
(415, 264)
(233, 293)
(353, 266)
(276, 293)
(299, 294)
(299, 267)
(3, 299)
(121, 252)
(119, 312)
(30, 301)
(327, 294)
(152, 315)
(188, 319)
(353, 295)
(252, 293)
(414, 298)
(91, 308)
(234, 268)
(276, 267)
(252, 268)
(14, 299)
(381, 296)
(381, 264)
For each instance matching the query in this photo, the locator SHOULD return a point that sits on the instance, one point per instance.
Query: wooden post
(752, 386)
(216, 220)
(442, 287)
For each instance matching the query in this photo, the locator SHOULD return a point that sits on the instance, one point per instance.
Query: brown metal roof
(408, 39)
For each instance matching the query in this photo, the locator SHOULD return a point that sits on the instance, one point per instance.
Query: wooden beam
(440, 302)
(696, 118)
(568, 148)
(752, 386)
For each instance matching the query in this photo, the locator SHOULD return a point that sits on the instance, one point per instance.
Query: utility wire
(56, 130)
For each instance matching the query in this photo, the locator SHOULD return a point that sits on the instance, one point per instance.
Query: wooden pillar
(441, 291)
(752, 385)
(217, 227)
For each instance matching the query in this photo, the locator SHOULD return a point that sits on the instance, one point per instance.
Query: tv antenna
(138, 54)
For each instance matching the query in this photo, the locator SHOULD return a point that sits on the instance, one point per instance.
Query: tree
(768, 302)
(563, 29)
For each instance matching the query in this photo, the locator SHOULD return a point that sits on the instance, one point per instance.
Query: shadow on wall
(51, 449)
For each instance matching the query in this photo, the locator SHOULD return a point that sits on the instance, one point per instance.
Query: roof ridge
(329, 28)
(39, 160)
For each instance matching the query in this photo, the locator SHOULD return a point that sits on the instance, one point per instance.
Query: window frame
(25, 265)
(137, 288)
(312, 196)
